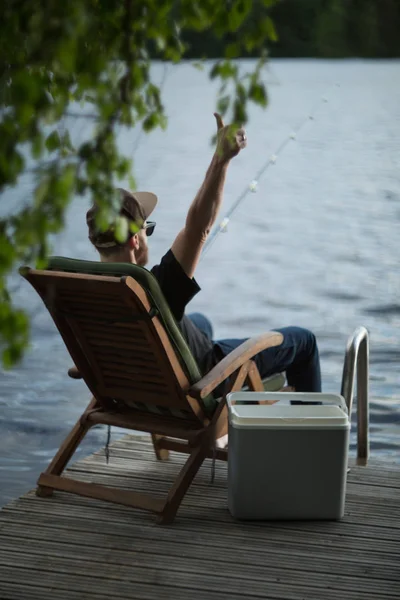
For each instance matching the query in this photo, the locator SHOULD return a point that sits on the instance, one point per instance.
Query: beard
(142, 256)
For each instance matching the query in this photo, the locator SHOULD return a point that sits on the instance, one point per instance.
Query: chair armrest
(74, 373)
(233, 361)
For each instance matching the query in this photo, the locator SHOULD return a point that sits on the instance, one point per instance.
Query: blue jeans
(297, 355)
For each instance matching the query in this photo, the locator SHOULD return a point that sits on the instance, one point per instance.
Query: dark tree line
(319, 28)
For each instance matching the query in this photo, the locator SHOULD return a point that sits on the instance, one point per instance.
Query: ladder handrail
(357, 357)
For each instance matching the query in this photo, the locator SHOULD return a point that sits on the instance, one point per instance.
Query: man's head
(136, 208)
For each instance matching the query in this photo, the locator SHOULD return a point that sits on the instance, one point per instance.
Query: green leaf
(163, 121)
(134, 227)
(269, 29)
(224, 70)
(37, 146)
(41, 191)
(10, 356)
(66, 181)
(81, 185)
(161, 42)
(154, 119)
(233, 50)
(123, 168)
(258, 94)
(53, 141)
(41, 263)
(236, 14)
(121, 229)
(223, 104)
(131, 182)
(198, 65)
(239, 112)
(66, 141)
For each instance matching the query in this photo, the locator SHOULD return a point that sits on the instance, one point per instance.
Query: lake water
(317, 245)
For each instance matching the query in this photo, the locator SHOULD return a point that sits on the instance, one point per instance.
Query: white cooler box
(287, 459)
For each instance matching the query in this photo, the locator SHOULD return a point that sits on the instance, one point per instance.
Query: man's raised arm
(203, 212)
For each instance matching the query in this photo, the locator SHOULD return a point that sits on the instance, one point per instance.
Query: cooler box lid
(286, 410)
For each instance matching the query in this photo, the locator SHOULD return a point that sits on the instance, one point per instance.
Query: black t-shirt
(178, 290)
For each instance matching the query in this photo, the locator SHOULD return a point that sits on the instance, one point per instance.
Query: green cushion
(274, 383)
(156, 299)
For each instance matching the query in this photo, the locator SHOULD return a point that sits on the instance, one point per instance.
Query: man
(298, 353)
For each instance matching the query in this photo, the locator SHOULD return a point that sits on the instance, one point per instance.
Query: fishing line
(253, 185)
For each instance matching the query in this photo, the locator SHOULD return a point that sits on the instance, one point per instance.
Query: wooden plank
(369, 489)
(368, 563)
(128, 465)
(383, 480)
(375, 467)
(110, 307)
(134, 375)
(72, 512)
(110, 303)
(109, 560)
(77, 588)
(123, 460)
(86, 587)
(23, 591)
(111, 342)
(124, 356)
(125, 349)
(98, 312)
(116, 329)
(147, 365)
(134, 380)
(108, 333)
(182, 428)
(70, 584)
(69, 547)
(253, 583)
(141, 470)
(386, 516)
(146, 453)
(154, 540)
(88, 297)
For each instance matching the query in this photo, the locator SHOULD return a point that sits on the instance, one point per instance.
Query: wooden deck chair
(129, 350)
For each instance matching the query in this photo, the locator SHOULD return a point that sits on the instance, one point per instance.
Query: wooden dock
(69, 548)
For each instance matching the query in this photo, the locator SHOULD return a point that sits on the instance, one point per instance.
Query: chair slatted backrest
(114, 331)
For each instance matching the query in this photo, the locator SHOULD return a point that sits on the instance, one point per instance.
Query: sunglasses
(149, 227)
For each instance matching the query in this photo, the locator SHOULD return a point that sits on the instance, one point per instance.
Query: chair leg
(65, 452)
(161, 453)
(256, 384)
(182, 483)
(205, 443)
(44, 492)
(254, 379)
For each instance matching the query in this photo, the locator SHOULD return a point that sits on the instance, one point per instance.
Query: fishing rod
(253, 185)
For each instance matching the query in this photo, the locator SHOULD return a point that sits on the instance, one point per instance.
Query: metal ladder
(357, 360)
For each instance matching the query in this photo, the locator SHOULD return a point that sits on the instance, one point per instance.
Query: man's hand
(229, 141)
(204, 209)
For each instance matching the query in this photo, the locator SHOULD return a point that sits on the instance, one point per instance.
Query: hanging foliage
(56, 54)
